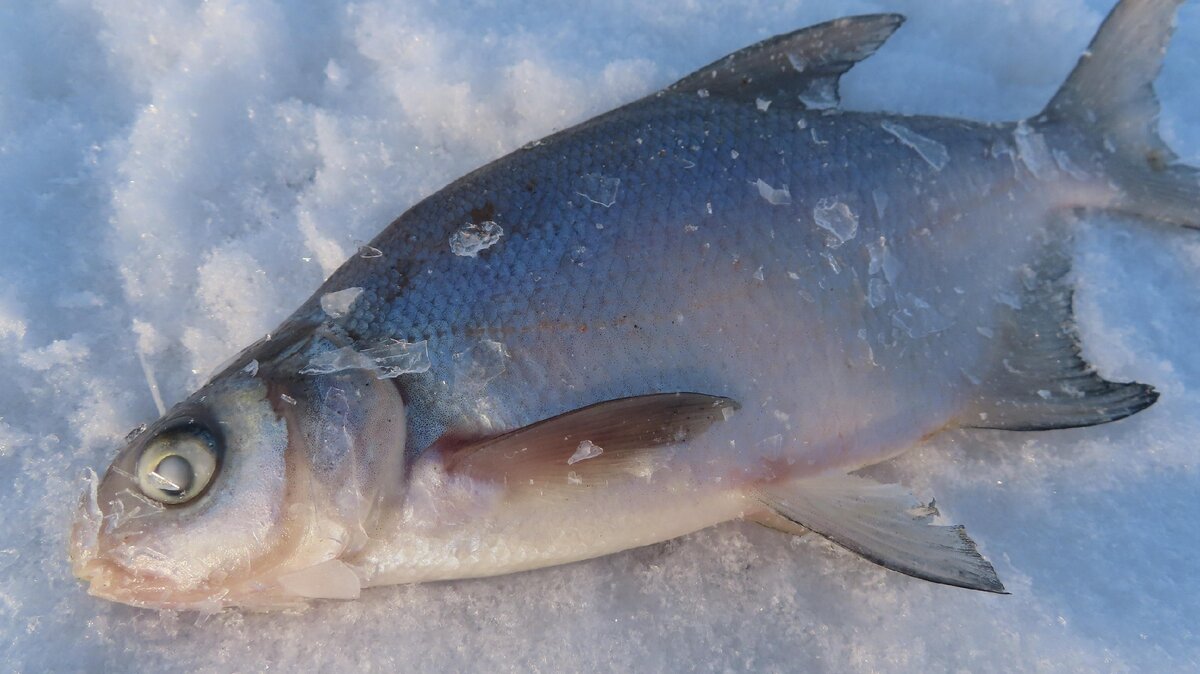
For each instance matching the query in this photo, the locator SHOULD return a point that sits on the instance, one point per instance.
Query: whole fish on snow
(712, 303)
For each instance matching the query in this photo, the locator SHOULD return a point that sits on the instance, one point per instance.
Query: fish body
(715, 302)
(692, 280)
(758, 302)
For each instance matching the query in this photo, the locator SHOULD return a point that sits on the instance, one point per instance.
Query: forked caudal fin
(1111, 93)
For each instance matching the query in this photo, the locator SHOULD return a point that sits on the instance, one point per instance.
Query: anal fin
(885, 525)
(1042, 382)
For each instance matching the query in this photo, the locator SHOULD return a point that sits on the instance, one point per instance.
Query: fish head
(248, 493)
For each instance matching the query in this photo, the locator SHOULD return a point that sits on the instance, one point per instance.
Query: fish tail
(1110, 94)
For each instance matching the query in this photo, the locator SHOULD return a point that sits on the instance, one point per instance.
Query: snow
(176, 176)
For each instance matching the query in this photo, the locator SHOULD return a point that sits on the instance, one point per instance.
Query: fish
(718, 302)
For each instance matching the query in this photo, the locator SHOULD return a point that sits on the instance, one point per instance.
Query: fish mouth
(109, 580)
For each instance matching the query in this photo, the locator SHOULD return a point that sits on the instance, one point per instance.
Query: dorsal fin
(799, 68)
(1045, 383)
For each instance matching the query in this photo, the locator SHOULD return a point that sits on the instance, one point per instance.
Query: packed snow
(176, 176)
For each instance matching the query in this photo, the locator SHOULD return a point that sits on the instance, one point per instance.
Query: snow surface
(176, 176)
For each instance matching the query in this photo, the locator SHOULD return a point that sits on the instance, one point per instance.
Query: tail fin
(1111, 90)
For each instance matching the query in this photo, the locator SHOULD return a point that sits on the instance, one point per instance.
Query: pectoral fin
(591, 445)
(885, 525)
(331, 579)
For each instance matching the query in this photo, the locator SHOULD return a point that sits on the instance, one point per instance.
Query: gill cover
(346, 434)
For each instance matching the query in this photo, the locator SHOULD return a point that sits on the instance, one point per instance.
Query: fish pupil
(174, 474)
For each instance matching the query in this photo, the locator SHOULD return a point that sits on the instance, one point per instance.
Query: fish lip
(108, 580)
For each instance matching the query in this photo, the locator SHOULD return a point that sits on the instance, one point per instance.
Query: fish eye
(177, 465)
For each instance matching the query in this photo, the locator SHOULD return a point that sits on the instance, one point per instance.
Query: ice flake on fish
(821, 96)
(880, 198)
(933, 152)
(1033, 152)
(479, 364)
(833, 261)
(387, 361)
(88, 522)
(579, 255)
(836, 218)
(775, 196)
(773, 443)
(599, 189)
(859, 352)
(472, 238)
(337, 304)
(882, 260)
(584, 451)
(876, 292)
(917, 318)
(1065, 164)
(1008, 299)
